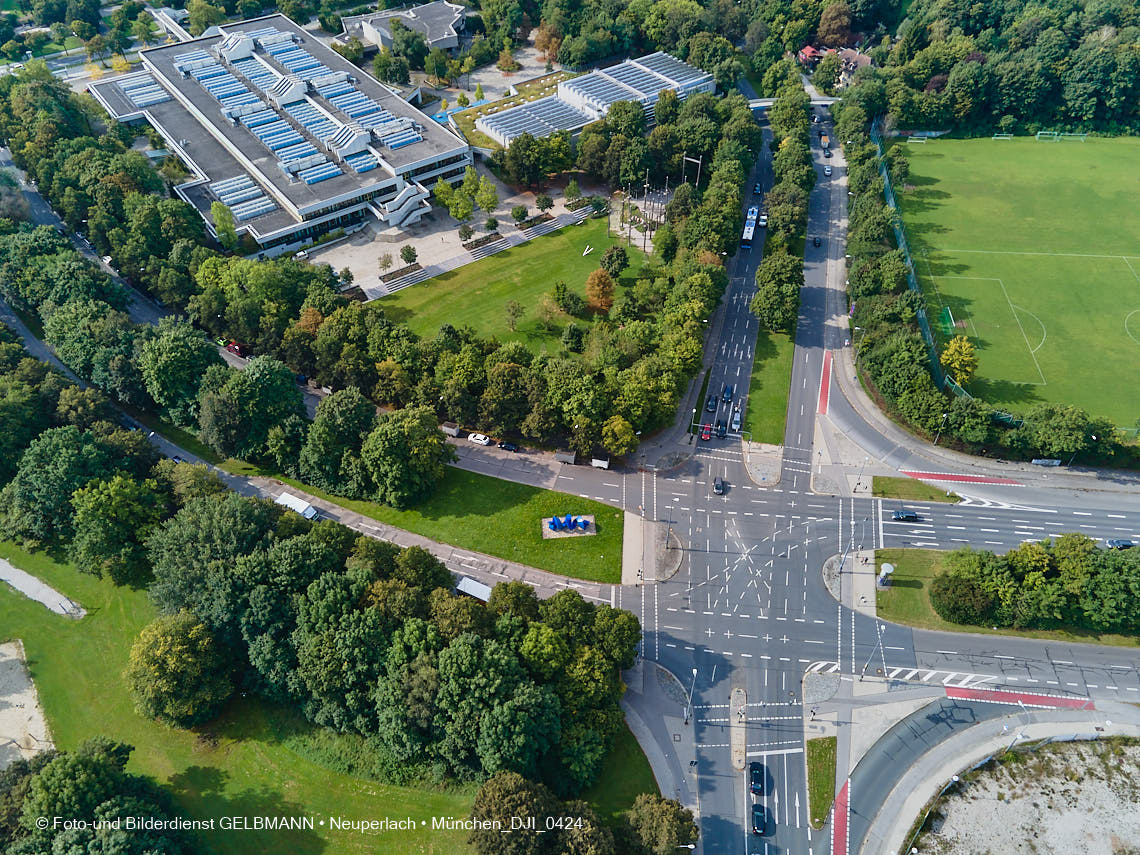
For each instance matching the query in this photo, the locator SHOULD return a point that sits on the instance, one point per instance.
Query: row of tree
(1014, 66)
(1067, 582)
(890, 347)
(653, 826)
(780, 274)
(90, 784)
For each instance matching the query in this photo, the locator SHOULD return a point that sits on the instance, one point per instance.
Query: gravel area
(34, 589)
(1065, 798)
(23, 729)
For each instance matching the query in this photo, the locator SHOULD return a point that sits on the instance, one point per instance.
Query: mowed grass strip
(476, 295)
(1032, 247)
(768, 387)
(907, 601)
(909, 489)
(235, 766)
(624, 776)
(504, 519)
(821, 778)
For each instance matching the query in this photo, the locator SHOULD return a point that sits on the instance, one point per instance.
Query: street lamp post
(878, 646)
(938, 435)
(1071, 459)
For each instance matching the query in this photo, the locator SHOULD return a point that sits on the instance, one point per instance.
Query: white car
(763, 221)
(827, 169)
(479, 438)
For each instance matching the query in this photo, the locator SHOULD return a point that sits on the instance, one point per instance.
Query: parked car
(706, 432)
(710, 404)
(236, 349)
(177, 459)
(479, 438)
(827, 169)
(736, 419)
(827, 152)
(718, 485)
(106, 259)
(1119, 543)
(508, 446)
(904, 516)
(221, 342)
(756, 774)
(726, 396)
(761, 820)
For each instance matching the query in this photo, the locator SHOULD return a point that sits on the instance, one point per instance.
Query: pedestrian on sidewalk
(813, 714)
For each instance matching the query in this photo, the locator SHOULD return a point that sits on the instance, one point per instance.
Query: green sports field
(1034, 247)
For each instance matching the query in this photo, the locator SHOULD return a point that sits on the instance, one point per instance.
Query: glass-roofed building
(290, 136)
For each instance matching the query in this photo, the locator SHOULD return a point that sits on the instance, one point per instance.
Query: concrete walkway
(34, 589)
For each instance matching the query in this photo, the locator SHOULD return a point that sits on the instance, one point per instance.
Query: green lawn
(1032, 247)
(821, 778)
(768, 387)
(909, 488)
(907, 602)
(499, 518)
(474, 295)
(239, 765)
(625, 775)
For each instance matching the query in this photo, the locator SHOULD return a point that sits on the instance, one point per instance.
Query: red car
(236, 349)
(706, 432)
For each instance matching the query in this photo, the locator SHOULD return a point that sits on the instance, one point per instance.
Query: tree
(465, 232)
(826, 73)
(176, 672)
(236, 419)
(385, 261)
(113, 518)
(504, 796)
(600, 290)
(543, 202)
(615, 260)
(492, 225)
(408, 254)
(478, 89)
(462, 100)
(960, 598)
(405, 456)
(572, 192)
(778, 281)
(514, 310)
(330, 456)
(223, 219)
(618, 436)
(487, 198)
(519, 213)
(835, 25)
(960, 359)
(203, 16)
(436, 64)
(173, 363)
(143, 29)
(661, 824)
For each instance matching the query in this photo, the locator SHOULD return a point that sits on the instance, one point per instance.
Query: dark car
(1119, 543)
(827, 152)
(508, 446)
(718, 486)
(756, 773)
(727, 395)
(721, 429)
(904, 516)
(710, 404)
(757, 189)
(177, 459)
(761, 820)
(706, 432)
(815, 241)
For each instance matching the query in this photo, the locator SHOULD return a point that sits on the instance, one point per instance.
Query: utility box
(600, 462)
(565, 455)
(450, 428)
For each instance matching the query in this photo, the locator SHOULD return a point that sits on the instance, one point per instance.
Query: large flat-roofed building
(586, 99)
(440, 23)
(288, 134)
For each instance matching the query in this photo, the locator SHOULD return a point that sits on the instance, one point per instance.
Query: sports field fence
(1003, 136)
(900, 238)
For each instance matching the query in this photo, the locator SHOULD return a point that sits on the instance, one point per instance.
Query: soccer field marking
(969, 315)
(1016, 317)
(1044, 331)
(1033, 252)
(1130, 267)
(1127, 331)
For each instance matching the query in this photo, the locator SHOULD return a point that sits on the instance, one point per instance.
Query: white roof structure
(296, 503)
(473, 588)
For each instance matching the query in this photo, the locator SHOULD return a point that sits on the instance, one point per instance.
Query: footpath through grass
(821, 778)
(496, 517)
(768, 387)
(1032, 247)
(907, 601)
(475, 295)
(909, 489)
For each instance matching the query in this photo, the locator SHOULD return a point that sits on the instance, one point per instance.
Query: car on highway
(508, 446)
(726, 395)
(903, 515)
(736, 419)
(757, 189)
(761, 820)
(710, 404)
(479, 438)
(756, 773)
(827, 169)
(1119, 543)
(706, 432)
(721, 429)
(718, 485)
(815, 241)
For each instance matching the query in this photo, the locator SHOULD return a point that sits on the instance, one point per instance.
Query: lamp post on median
(878, 646)
(689, 704)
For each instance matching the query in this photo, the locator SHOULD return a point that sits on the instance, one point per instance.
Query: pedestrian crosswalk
(904, 673)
